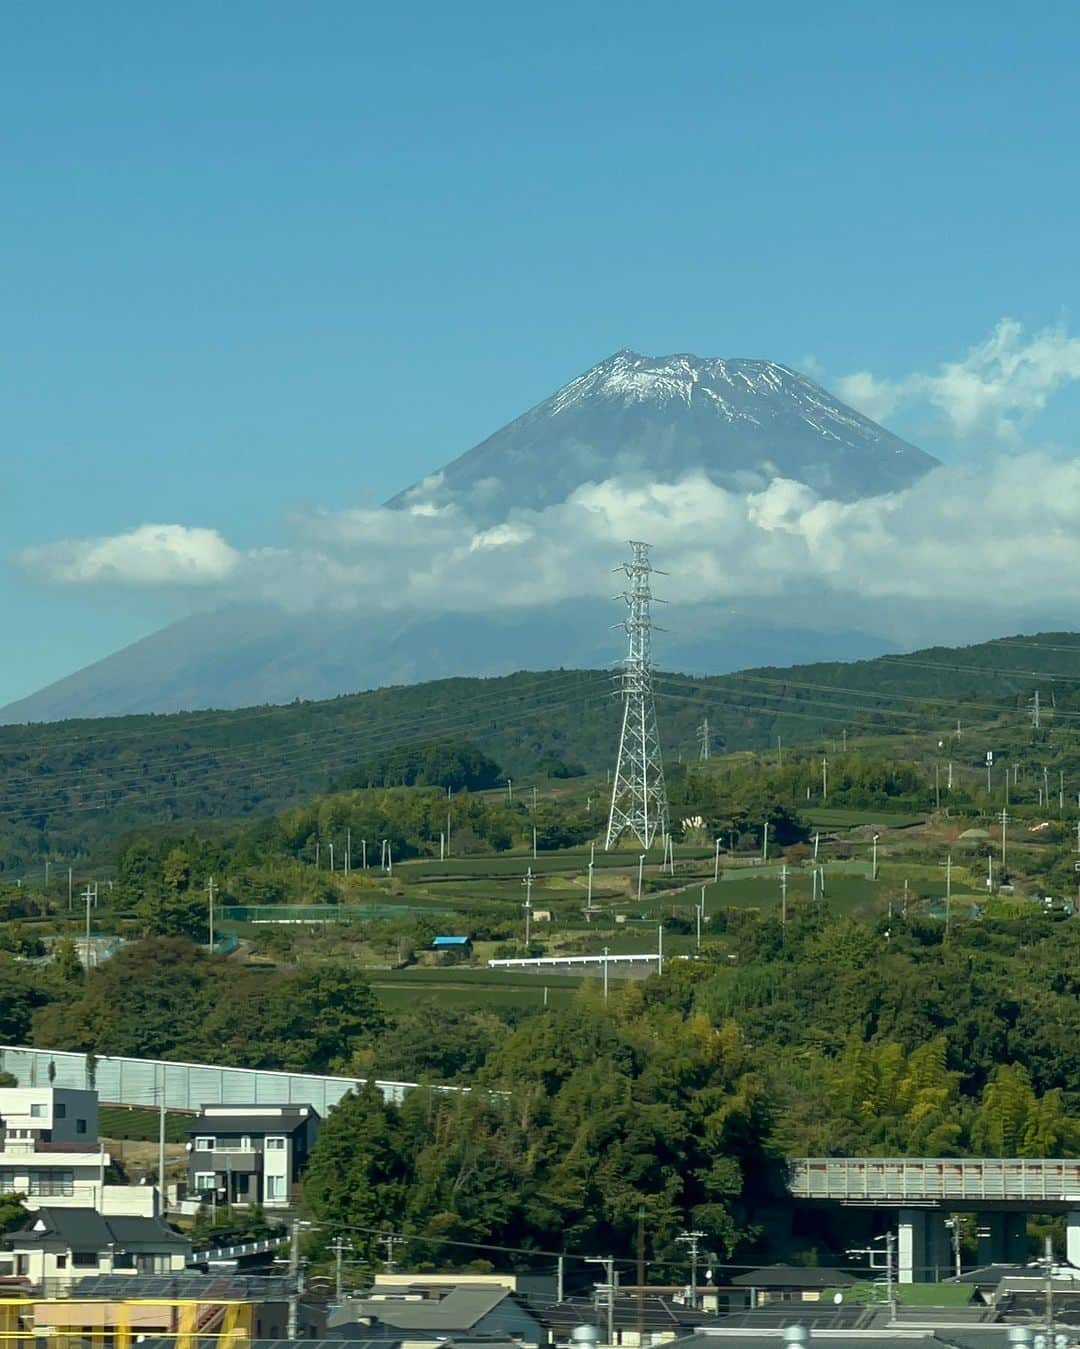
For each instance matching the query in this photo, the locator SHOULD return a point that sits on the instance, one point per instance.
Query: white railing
(927, 1179)
(549, 962)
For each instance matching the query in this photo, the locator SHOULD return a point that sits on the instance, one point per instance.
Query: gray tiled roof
(459, 1310)
(85, 1229)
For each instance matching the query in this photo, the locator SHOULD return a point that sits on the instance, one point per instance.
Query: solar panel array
(199, 1287)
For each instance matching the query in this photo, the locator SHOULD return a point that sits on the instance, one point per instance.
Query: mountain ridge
(659, 419)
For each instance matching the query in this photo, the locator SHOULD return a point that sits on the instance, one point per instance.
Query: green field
(137, 1123)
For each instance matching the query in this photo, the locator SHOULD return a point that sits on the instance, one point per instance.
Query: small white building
(50, 1153)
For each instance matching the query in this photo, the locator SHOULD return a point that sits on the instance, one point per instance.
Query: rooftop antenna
(639, 803)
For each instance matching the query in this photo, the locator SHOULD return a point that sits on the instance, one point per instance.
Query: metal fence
(927, 1179)
(186, 1086)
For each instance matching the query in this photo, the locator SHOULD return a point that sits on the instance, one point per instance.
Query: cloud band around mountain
(972, 540)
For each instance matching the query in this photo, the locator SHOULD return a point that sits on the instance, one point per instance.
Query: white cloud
(151, 555)
(999, 385)
(964, 545)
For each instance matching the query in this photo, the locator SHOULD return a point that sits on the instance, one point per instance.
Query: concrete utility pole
(660, 949)
(783, 901)
(824, 777)
(390, 1241)
(700, 916)
(339, 1246)
(348, 851)
(716, 856)
(605, 973)
(1035, 711)
(210, 888)
(162, 1189)
(90, 895)
(608, 1288)
(295, 1280)
(1004, 817)
(331, 847)
(873, 865)
(692, 1239)
(640, 875)
(528, 884)
(765, 842)
(948, 894)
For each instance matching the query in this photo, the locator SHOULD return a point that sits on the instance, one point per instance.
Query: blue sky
(264, 258)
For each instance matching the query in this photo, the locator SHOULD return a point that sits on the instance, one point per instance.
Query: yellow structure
(75, 1323)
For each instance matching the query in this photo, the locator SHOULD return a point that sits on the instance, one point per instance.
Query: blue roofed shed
(452, 944)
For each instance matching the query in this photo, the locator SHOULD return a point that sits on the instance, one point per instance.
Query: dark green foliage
(454, 764)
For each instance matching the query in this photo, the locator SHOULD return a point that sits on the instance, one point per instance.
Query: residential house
(790, 1283)
(250, 1154)
(429, 1313)
(50, 1153)
(61, 1245)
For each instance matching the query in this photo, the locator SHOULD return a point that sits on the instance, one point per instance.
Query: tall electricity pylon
(638, 796)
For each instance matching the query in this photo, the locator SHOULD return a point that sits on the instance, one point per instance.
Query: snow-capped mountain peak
(739, 421)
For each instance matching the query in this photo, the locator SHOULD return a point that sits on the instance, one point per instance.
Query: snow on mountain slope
(741, 421)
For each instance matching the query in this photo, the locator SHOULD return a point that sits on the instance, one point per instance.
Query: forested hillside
(67, 787)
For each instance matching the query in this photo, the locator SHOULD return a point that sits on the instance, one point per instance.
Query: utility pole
(948, 780)
(640, 875)
(510, 791)
(716, 856)
(873, 865)
(639, 804)
(70, 881)
(703, 739)
(295, 1280)
(1061, 789)
(318, 852)
(824, 777)
(534, 842)
(363, 854)
(948, 894)
(640, 1294)
(1046, 786)
(164, 1198)
(348, 851)
(779, 752)
(390, 1241)
(605, 974)
(937, 787)
(331, 846)
(691, 1239)
(588, 901)
(660, 949)
(1004, 817)
(1035, 711)
(765, 842)
(339, 1246)
(90, 895)
(528, 884)
(1047, 1263)
(783, 902)
(700, 917)
(210, 888)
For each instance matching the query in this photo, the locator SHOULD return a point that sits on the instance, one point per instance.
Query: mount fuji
(739, 422)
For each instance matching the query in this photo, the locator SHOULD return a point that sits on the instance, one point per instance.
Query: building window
(205, 1180)
(84, 1259)
(204, 1144)
(245, 1143)
(61, 1262)
(37, 1111)
(60, 1110)
(7, 1182)
(275, 1144)
(80, 1126)
(275, 1187)
(51, 1183)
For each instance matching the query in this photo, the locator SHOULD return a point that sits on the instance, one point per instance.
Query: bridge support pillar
(939, 1255)
(1072, 1236)
(1003, 1238)
(911, 1245)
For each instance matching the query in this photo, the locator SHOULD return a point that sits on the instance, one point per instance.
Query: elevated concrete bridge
(923, 1190)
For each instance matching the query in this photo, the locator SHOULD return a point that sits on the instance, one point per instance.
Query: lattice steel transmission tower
(638, 796)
